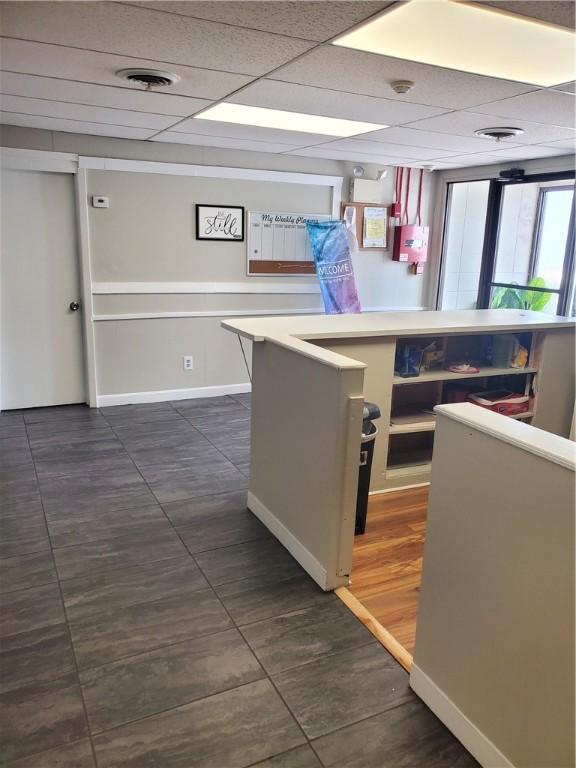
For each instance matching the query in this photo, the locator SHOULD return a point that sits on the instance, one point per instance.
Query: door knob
(74, 306)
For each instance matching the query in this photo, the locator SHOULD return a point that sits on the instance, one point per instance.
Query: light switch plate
(98, 201)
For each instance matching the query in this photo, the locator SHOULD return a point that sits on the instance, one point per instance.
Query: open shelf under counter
(443, 375)
(408, 470)
(417, 421)
(421, 421)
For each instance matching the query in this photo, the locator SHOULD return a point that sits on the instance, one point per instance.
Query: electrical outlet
(188, 362)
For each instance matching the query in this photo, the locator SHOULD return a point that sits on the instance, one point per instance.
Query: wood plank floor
(387, 562)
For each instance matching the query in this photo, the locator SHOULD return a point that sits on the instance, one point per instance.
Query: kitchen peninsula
(311, 375)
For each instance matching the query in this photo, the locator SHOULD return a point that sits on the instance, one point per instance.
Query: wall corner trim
(217, 172)
(207, 171)
(476, 742)
(37, 160)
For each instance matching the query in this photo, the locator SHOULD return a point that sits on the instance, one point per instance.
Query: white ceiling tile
(569, 144)
(74, 126)
(135, 31)
(549, 107)
(465, 123)
(311, 21)
(559, 12)
(172, 137)
(534, 151)
(320, 101)
(439, 165)
(516, 154)
(341, 154)
(477, 158)
(249, 132)
(83, 113)
(344, 69)
(99, 95)
(391, 150)
(90, 67)
(566, 87)
(416, 138)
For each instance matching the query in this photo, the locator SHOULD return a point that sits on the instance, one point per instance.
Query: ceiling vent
(498, 133)
(402, 86)
(149, 78)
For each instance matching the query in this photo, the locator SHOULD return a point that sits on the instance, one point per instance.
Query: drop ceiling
(58, 62)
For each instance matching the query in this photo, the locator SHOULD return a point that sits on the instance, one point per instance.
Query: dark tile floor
(148, 620)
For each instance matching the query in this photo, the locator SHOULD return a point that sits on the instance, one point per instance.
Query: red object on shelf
(459, 393)
(501, 401)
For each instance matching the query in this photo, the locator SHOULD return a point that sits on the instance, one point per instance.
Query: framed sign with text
(219, 222)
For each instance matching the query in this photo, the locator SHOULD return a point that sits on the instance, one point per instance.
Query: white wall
(146, 240)
(147, 236)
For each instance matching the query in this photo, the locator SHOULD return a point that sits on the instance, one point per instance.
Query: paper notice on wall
(350, 217)
(374, 228)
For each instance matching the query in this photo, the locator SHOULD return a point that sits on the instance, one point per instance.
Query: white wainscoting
(224, 313)
(101, 289)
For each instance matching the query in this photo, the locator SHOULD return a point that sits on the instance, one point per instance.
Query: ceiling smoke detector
(402, 86)
(498, 133)
(149, 78)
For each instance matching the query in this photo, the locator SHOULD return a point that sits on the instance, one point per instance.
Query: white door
(41, 335)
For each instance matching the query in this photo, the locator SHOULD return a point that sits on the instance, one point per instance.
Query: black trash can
(369, 432)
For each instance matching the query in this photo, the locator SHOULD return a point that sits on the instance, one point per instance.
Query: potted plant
(522, 298)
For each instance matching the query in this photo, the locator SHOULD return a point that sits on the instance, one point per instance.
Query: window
(528, 250)
(551, 234)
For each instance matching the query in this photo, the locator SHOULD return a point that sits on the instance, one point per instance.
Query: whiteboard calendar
(278, 243)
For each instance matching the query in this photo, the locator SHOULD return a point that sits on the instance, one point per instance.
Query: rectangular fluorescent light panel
(470, 38)
(286, 121)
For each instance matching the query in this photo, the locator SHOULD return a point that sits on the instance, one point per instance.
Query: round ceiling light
(503, 132)
(149, 78)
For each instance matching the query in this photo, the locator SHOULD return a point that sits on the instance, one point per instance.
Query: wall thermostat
(100, 202)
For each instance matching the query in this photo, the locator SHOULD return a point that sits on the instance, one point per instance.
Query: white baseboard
(476, 742)
(296, 548)
(162, 395)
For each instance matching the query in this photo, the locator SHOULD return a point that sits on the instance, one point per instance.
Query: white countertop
(293, 331)
(394, 324)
